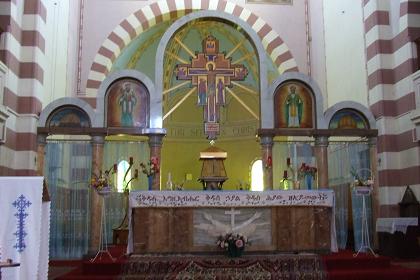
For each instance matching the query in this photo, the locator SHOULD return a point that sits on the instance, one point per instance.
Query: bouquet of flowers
(101, 182)
(234, 244)
(305, 169)
(151, 168)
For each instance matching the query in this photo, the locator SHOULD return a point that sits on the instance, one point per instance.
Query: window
(257, 182)
(122, 169)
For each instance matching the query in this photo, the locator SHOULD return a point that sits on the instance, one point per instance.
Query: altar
(191, 221)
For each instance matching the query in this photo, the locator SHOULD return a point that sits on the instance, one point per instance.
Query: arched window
(122, 169)
(257, 183)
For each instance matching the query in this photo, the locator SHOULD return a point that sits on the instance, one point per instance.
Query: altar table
(191, 221)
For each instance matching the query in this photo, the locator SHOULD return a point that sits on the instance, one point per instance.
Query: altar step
(343, 266)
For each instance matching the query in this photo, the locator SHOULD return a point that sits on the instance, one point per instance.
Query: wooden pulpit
(213, 173)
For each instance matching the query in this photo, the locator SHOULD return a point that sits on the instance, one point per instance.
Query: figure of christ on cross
(211, 72)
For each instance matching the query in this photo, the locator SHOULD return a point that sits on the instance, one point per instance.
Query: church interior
(210, 139)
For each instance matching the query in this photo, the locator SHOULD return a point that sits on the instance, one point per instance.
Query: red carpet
(338, 266)
(343, 266)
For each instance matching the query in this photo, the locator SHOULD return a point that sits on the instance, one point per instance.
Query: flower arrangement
(358, 180)
(151, 168)
(102, 181)
(305, 169)
(232, 243)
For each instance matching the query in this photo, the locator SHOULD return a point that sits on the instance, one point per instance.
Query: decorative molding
(329, 114)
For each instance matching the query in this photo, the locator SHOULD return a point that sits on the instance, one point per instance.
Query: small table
(398, 236)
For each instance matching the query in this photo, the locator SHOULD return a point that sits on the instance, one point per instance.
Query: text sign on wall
(231, 199)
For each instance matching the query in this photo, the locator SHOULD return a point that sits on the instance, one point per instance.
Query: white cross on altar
(232, 214)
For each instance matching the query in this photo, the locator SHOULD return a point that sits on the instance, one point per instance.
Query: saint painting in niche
(127, 104)
(127, 100)
(293, 106)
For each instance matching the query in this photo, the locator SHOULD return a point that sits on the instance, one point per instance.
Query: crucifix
(232, 214)
(210, 72)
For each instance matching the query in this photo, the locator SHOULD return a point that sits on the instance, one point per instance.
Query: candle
(288, 161)
(131, 160)
(285, 174)
(115, 167)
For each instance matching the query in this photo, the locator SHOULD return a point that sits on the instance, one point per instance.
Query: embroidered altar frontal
(187, 222)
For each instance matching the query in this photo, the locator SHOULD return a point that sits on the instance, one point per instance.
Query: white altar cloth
(392, 225)
(231, 198)
(322, 198)
(24, 228)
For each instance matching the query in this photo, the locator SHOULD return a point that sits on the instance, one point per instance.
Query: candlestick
(136, 173)
(115, 168)
(131, 160)
(288, 161)
(285, 174)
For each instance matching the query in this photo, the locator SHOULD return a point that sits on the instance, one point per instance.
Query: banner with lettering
(231, 198)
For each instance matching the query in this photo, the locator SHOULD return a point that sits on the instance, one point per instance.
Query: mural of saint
(293, 108)
(202, 90)
(127, 104)
(127, 100)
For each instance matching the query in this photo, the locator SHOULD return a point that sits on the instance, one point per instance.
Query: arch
(164, 10)
(208, 14)
(329, 114)
(319, 99)
(136, 75)
(67, 101)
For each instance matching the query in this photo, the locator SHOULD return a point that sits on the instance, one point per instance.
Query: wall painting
(127, 104)
(69, 116)
(348, 119)
(293, 106)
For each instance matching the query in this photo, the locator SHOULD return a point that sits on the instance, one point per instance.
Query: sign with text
(231, 198)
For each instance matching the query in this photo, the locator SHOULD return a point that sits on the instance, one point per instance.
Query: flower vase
(150, 182)
(234, 252)
(308, 179)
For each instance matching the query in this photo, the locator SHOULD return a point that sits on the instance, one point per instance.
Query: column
(373, 155)
(321, 155)
(266, 142)
(42, 142)
(95, 199)
(155, 145)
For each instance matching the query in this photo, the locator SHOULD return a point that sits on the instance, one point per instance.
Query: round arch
(329, 114)
(320, 119)
(216, 15)
(68, 101)
(134, 74)
(164, 10)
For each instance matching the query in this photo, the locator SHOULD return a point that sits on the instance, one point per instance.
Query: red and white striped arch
(161, 11)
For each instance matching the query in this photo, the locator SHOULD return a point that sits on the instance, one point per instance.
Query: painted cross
(211, 72)
(20, 204)
(232, 214)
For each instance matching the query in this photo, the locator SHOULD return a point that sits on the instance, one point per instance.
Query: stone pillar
(95, 198)
(373, 155)
(321, 155)
(42, 142)
(155, 145)
(266, 142)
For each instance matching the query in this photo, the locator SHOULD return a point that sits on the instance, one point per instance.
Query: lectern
(213, 173)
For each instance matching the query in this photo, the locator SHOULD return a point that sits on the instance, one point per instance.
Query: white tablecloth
(392, 225)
